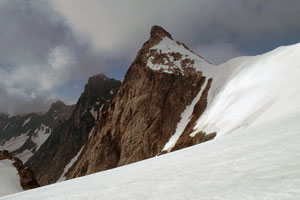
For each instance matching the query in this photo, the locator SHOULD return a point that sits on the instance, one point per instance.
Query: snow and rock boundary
(27, 177)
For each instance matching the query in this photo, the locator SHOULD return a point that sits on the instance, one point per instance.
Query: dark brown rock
(185, 139)
(67, 139)
(143, 115)
(158, 32)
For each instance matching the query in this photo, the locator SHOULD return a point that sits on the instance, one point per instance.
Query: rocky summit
(153, 112)
(161, 83)
(71, 135)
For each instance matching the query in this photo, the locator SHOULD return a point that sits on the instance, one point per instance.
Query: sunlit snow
(261, 162)
(253, 90)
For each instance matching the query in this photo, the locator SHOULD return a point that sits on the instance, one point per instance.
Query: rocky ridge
(152, 112)
(72, 135)
(159, 85)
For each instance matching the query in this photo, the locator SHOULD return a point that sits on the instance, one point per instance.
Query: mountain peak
(157, 32)
(166, 55)
(58, 103)
(100, 76)
(57, 106)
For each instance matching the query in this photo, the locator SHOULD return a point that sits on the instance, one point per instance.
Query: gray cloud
(49, 46)
(247, 26)
(38, 54)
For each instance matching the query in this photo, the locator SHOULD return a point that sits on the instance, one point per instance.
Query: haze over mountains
(170, 99)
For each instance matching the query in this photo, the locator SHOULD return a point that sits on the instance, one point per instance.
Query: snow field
(266, 166)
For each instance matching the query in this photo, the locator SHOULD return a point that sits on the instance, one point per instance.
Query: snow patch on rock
(69, 165)
(40, 135)
(26, 121)
(25, 155)
(14, 143)
(175, 55)
(185, 118)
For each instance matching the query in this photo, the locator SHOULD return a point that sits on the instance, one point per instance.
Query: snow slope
(261, 162)
(251, 90)
(9, 178)
(253, 105)
(245, 91)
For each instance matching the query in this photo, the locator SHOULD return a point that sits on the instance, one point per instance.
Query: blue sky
(48, 49)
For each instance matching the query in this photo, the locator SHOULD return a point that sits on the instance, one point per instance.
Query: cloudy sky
(49, 48)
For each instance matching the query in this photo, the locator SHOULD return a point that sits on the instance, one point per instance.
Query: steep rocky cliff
(152, 112)
(162, 82)
(71, 135)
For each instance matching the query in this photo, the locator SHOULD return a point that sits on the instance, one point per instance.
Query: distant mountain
(23, 135)
(69, 137)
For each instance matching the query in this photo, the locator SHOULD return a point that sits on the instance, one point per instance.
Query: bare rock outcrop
(144, 113)
(67, 139)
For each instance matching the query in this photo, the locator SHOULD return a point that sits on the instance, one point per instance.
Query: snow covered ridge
(173, 57)
(229, 168)
(248, 91)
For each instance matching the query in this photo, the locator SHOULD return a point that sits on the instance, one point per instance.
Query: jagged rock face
(27, 177)
(60, 111)
(144, 114)
(24, 135)
(70, 136)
